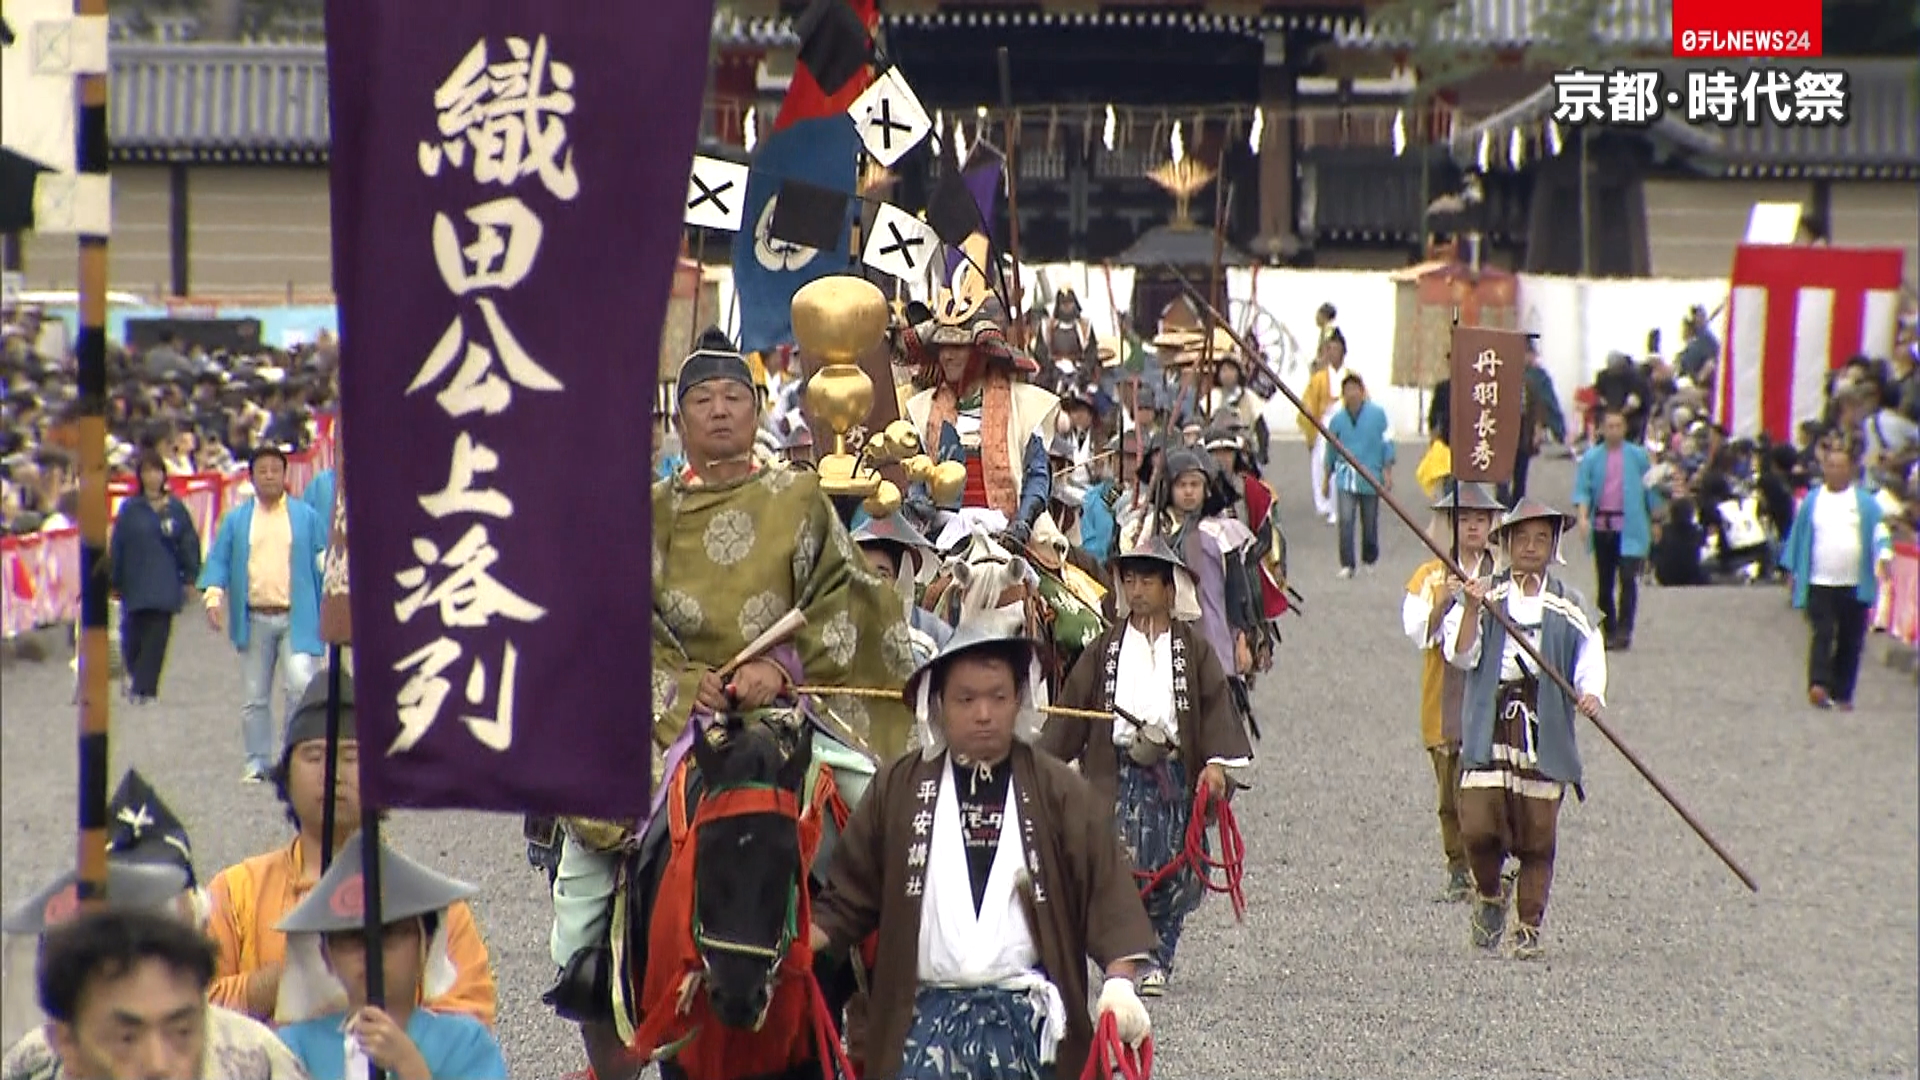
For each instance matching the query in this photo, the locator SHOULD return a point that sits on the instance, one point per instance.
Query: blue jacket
(1796, 555)
(226, 568)
(1036, 474)
(1636, 528)
(319, 494)
(1097, 525)
(154, 554)
(1365, 434)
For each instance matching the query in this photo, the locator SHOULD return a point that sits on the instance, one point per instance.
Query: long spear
(1500, 616)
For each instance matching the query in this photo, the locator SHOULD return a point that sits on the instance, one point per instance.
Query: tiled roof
(1880, 140)
(1519, 22)
(244, 98)
(740, 32)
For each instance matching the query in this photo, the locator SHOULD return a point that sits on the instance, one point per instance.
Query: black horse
(747, 885)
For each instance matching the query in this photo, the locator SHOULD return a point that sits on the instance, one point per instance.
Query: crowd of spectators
(200, 410)
(1727, 503)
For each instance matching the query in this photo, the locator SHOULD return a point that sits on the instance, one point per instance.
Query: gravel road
(1659, 962)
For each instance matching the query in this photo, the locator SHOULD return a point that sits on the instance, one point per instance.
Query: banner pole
(329, 824)
(372, 924)
(95, 689)
(1558, 678)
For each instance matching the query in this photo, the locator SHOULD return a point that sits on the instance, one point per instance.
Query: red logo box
(1743, 29)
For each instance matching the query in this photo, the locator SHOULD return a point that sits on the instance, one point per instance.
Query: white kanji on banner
(716, 194)
(890, 118)
(899, 244)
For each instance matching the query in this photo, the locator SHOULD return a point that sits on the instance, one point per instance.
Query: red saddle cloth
(712, 1050)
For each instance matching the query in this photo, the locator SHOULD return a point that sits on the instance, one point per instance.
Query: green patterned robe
(730, 559)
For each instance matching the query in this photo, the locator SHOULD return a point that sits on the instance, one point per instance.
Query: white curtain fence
(1579, 320)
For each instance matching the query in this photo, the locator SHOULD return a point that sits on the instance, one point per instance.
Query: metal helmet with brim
(308, 987)
(970, 639)
(1156, 549)
(1528, 509)
(337, 903)
(891, 530)
(1472, 497)
(131, 885)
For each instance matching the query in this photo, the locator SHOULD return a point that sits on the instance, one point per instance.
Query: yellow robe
(730, 559)
(1318, 398)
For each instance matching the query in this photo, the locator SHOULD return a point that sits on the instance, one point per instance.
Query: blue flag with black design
(820, 155)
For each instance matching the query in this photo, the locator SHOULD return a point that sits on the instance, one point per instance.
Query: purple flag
(982, 181)
(509, 180)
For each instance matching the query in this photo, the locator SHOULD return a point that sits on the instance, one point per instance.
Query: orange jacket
(250, 898)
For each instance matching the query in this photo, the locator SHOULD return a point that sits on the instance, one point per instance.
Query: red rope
(827, 1036)
(1111, 1059)
(1232, 862)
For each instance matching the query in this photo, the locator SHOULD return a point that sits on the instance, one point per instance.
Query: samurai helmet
(968, 639)
(1532, 509)
(1471, 497)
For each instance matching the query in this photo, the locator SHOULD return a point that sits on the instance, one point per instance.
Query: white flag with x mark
(890, 118)
(899, 244)
(716, 194)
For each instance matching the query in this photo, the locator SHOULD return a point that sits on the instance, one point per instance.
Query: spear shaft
(1500, 616)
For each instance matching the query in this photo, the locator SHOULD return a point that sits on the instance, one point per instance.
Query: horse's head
(747, 869)
(994, 586)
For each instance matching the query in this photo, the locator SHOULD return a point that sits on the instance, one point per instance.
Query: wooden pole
(1203, 388)
(1016, 296)
(328, 819)
(90, 350)
(373, 925)
(1558, 678)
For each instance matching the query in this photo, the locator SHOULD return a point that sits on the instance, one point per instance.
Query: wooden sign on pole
(1489, 378)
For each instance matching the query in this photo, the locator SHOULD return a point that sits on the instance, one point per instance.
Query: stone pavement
(1659, 962)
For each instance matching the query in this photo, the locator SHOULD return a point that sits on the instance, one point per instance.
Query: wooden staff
(1101, 456)
(1222, 199)
(1499, 614)
(96, 687)
(1015, 295)
(883, 692)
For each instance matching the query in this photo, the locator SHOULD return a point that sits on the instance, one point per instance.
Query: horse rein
(740, 800)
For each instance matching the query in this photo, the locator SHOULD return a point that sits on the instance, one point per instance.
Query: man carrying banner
(1517, 750)
(1471, 511)
(327, 996)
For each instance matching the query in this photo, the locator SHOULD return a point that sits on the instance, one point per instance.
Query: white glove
(1118, 998)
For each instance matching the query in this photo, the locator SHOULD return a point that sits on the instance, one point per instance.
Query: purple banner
(508, 183)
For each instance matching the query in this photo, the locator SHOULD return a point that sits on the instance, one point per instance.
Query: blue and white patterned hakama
(973, 1033)
(1152, 810)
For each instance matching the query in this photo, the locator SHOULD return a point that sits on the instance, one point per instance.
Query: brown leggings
(1495, 823)
(1446, 781)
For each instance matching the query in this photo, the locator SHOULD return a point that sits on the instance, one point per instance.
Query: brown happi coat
(1203, 706)
(1083, 892)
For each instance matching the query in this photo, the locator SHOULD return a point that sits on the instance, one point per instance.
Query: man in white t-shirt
(1837, 553)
